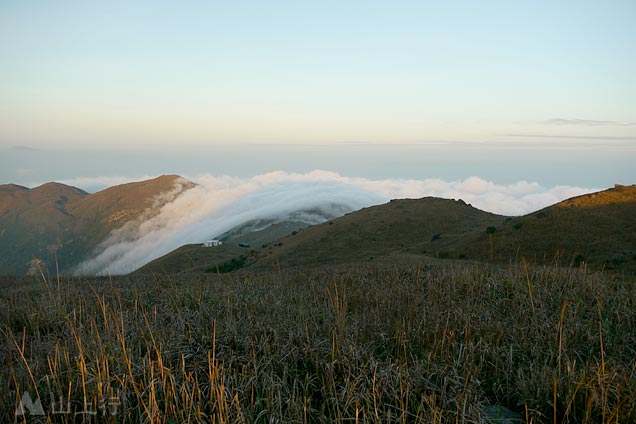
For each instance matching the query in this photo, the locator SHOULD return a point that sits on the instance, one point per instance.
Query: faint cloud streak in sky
(23, 149)
(588, 122)
(574, 137)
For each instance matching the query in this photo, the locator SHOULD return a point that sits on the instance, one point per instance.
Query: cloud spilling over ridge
(218, 204)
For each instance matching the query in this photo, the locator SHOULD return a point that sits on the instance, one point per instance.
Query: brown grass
(193, 258)
(618, 195)
(368, 344)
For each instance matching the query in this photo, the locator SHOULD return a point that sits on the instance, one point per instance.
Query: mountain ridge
(57, 222)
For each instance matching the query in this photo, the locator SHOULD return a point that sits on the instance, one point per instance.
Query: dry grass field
(358, 344)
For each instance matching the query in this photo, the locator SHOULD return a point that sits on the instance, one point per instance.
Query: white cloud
(217, 204)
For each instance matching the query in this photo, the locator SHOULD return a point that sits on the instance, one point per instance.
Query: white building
(212, 243)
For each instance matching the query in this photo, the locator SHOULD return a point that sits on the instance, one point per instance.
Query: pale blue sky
(115, 74)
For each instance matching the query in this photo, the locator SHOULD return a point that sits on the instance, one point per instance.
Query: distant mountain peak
(55, 187)
(12, 187)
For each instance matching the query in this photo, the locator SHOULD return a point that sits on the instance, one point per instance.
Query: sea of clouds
(218, 204)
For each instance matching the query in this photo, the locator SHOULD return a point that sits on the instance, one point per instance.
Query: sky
(540, 91)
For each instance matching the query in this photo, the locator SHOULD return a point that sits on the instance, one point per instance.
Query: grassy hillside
(406, 227)
(225, 258)
(598, 229)
(195, 258)
(55, 219)
(35, 223)
(354, 344)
